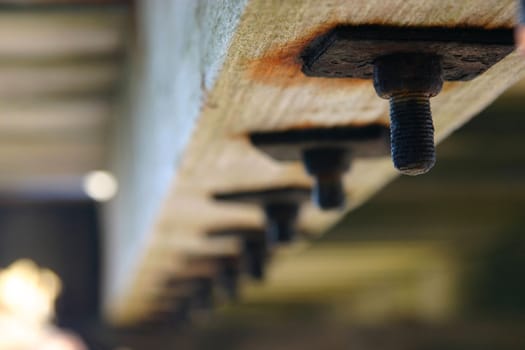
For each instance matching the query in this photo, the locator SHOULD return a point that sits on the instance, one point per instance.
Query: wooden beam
(240, 73)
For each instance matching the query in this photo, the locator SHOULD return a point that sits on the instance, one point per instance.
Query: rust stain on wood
(281, 66)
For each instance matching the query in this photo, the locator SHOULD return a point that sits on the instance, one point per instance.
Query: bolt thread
(327, 166)
(280, 221)
(203, 296)
(229, 276)
(255, 258)
(281, 231)
(183, 311)
(328, 192)
(412, 133)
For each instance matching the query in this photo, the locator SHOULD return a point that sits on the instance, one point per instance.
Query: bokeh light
(100, 185)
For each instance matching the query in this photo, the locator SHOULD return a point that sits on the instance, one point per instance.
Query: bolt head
(326, 160)
(408, 73)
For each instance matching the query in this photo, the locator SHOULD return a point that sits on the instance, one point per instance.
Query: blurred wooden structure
(165, 98)
(60, 67)
(231, 68)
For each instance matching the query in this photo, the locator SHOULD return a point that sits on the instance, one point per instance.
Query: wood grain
(260, 87)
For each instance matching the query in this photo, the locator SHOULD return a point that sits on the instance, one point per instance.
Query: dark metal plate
(250, 233)
(362, 142)
(350, 52)
(289, 194)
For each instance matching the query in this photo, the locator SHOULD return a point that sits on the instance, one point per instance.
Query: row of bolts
(396, 78)
(412, 144)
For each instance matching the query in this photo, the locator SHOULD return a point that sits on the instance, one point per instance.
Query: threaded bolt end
(328, 192)
(229, 278)
(327, 166)
(280, 221)
(255, 255)
(412, 133)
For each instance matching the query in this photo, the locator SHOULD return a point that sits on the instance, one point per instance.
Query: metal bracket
(408, 66)
(362, 142)
(226, 274)
(350, 52)
(280, 205)
(326, 154)
(255, 254)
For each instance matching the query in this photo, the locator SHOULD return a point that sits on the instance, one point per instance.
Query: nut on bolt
(326, 153)
(409, 81)
(408, 65)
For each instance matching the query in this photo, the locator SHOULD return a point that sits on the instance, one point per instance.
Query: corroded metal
(280, 205)
(255, 254)
(326, 154)
(408, 66)
(351, 52)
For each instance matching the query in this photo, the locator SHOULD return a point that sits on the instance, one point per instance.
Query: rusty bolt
(280, 205)
(327, 166)
(255, 258)
(281, 218)
(409, 81)
(202, 297)
(228, 277)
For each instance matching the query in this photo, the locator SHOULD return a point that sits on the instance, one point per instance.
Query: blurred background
(432, 262)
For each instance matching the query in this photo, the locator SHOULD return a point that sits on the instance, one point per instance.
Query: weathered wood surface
(202, 119)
